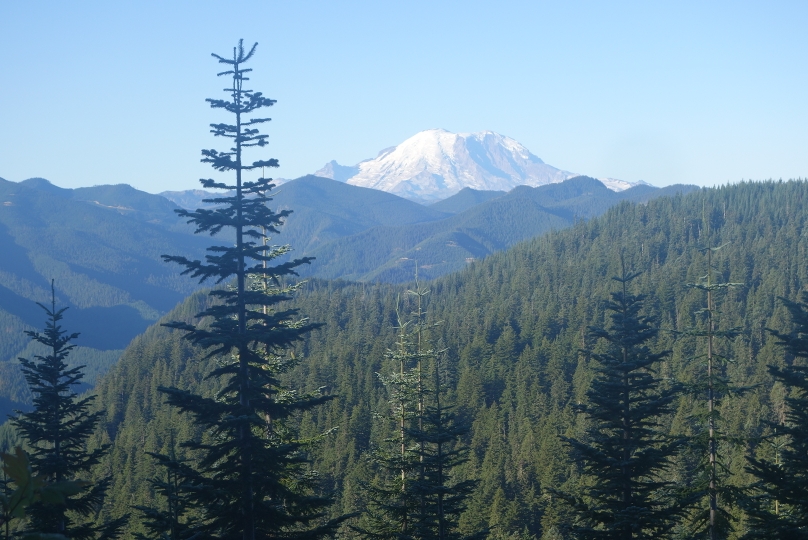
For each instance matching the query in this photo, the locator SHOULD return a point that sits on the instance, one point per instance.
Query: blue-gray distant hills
(366, 234)
(102, 246)
(474, 225)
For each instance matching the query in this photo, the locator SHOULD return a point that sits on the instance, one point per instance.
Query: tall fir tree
(438, 434)
(626, 450)
(713, 520)
(780, 509)
(252, 478)
(57, 430)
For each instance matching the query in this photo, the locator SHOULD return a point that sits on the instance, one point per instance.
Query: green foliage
(30, 489)
(393, 501)
(438, 434)
(103, 243)
(104, 251)
(415, 496)
(137, 420)
(103, 246)
(176, 489)
(711, 386)
(512, 323)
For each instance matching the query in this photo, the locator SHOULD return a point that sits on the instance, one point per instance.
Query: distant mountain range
(475, 224)
(436, 164)
(369, 235)
(102, 246)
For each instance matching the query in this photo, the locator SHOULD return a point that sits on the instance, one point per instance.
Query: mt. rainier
(435, 164)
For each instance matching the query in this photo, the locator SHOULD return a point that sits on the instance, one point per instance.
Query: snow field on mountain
(435, 164)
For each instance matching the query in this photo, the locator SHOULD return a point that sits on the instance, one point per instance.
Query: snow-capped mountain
(435, 164)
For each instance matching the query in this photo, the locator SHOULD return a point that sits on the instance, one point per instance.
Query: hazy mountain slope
(388, 253)
(102, 248)
(105, 260)
(323, 210)
(190, 199)
(367, 234)
(441, 247)
(142, 206)
(102, 245)
(121, 198)
(513, 326)
(335, 171)
(464, 199)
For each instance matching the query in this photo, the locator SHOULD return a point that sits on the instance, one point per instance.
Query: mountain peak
(42, 184)
(435, 164)
(337, 172)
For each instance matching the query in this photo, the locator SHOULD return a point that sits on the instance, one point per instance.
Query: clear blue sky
(97, 92)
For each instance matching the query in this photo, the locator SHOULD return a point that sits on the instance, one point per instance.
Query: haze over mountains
(474, 224)
(435, 164)
(367, 234)
(102, 246)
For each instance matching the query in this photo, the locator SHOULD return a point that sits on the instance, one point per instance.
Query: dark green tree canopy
(418, 496)
(511, 325)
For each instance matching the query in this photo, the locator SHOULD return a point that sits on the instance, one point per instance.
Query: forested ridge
(514, 327)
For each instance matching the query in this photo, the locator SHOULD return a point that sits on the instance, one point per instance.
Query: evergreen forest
(517, 360)
(638, 374)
